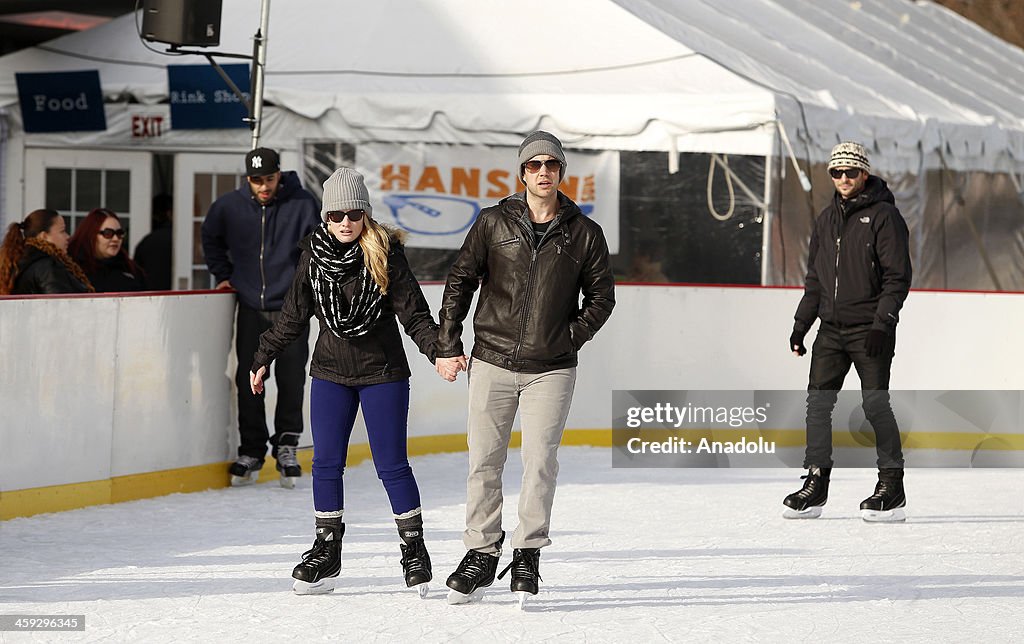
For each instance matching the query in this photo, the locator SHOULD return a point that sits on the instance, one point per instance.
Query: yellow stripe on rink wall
(57, 498)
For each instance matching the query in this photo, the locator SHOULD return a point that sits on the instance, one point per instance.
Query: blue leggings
(386, 412)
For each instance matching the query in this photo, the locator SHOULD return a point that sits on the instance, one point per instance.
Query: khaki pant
(542, 399)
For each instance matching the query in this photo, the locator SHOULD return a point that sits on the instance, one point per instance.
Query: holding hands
(449, 368)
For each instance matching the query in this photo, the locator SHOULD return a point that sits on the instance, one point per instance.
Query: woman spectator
(34, 258)
(98, 246)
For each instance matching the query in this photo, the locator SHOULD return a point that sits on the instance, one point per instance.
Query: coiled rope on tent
(722, 161)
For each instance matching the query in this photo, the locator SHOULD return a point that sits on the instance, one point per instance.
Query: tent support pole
(259, 61)
(766, 223)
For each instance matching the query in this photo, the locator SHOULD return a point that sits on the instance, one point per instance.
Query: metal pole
(260, 62)
(766, 223)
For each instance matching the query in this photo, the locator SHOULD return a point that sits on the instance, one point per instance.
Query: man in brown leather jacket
(533, 254)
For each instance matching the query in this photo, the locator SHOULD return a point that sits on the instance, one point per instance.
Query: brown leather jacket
(529, 317)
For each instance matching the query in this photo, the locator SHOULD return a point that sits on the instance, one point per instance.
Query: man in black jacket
(250, 240)
(858, 275)
(534, 253)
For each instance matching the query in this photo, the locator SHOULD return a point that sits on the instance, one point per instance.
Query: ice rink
(638, 555)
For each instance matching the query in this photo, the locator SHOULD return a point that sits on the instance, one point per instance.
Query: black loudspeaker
(182, 22)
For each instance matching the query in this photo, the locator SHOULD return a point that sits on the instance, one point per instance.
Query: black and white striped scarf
(331, 266)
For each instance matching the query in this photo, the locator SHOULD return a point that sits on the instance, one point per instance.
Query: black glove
(796, 343)
(875, 343)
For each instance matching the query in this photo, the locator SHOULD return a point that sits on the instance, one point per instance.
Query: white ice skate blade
(522, 596)
(884, 516)
(322, 587)
(809, 513)
(422, 590)
(455, 597)
(288, 482)
(242, 481)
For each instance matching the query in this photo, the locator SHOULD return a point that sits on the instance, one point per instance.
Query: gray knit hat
(345, 190)
(540, 142)
(849, 154)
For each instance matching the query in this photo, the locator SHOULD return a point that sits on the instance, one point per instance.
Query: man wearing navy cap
(250, 240)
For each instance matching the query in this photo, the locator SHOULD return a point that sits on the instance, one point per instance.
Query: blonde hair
(376, 244)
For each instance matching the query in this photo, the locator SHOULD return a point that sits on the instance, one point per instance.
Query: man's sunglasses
(336, 216)
(852, 173)
(109, 233)
(551, 164)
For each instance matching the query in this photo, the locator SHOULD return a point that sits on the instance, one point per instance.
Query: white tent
(907, 77)
(924, 88)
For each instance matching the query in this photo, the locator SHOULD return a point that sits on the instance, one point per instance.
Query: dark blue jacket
(254, 246)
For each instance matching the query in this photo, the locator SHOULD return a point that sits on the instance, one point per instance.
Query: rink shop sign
(435, 192)
(201, 100)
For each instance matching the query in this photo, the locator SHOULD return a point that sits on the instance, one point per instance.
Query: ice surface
(638, 555)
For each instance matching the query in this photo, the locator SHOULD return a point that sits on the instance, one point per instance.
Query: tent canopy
(909, 78)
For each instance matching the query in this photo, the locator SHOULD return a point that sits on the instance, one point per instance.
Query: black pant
(833, 351)
(290, 373)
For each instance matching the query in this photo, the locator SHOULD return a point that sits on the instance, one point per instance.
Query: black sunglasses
(550, 164)
(336, 216)
(108, 233)
(852, 173)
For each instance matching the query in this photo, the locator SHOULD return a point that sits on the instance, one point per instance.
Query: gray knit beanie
(541, 142)
(345, 190)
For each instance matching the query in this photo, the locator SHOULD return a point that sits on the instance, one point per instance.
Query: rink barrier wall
(109, 398)
(58, 498)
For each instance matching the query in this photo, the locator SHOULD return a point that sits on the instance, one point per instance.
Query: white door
(198, 180)
(73, 182)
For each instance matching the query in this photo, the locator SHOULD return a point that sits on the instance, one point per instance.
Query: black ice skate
(288, 465)
(415, 561)
(525, 569)
(318, 572)
(887, 503)
(475, 572)
(245, 470)
(807, 502)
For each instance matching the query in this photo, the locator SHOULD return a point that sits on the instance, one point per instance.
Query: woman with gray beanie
(353, 275)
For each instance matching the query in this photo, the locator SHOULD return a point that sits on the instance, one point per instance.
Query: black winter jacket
(858, 267)
(40, 273)
(370, 359)
(113, 275)
(529, 317)
(256, 246)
